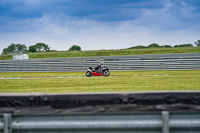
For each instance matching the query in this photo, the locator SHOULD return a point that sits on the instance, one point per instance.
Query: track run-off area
(118, 81)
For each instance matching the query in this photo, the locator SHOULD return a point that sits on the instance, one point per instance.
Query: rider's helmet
(101, 63)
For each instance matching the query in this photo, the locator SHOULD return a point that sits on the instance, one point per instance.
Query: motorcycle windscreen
(97, 74)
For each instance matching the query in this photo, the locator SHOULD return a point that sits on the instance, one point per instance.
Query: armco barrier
(143, 122)
(115, 63)
(138, 112)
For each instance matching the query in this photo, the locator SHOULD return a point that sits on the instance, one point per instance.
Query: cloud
(90, 34)
(174, 16)
(17, 16)
(115, 9)
(96, 24)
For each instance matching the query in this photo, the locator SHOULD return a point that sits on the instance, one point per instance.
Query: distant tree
(75, 48)
(39, 47)
(166, 46)
(5, 51)
(42, 47)
(32, 48)
(21, 47)
(184, 45)
(197, 43)
(14, 48)
(154, 45)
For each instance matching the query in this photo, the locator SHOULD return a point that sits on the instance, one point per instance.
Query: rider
(99, 66)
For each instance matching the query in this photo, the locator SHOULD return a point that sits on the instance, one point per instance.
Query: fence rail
(143, 122)
(115, 63)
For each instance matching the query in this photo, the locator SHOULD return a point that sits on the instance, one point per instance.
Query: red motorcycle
(101, 71)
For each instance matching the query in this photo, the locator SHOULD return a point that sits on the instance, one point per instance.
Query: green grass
(118, 81)
(63, 54)
(40, 74)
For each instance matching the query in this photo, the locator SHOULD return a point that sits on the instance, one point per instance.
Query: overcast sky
(99, 24)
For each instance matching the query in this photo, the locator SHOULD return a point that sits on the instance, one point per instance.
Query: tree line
(155, 45)
(23, 48)
(38, 47)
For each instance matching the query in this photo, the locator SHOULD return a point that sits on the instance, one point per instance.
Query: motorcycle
(102, 71)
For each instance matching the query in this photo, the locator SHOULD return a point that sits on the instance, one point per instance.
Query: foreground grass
(63, 54)
(118, 81)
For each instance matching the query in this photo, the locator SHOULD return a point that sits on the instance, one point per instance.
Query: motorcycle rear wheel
(88, 74)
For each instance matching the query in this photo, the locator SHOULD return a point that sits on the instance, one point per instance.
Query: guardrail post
(165, 122)
(7, 123)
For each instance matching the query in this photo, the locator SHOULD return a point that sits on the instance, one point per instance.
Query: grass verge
(118, 81)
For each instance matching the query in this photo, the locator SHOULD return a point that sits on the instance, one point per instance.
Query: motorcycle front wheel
(88, 74)
(106, 73)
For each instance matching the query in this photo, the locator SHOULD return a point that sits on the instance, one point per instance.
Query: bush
(75, 48)
(166, 46)
(184, 45)
(154, 45)
(138, 47)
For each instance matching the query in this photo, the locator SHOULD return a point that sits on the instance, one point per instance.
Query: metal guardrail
(143, 122)
(115, 63)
